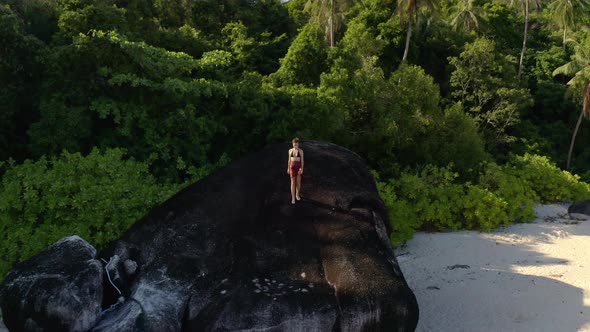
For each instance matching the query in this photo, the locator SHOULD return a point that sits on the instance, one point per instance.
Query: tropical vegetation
(465, 109)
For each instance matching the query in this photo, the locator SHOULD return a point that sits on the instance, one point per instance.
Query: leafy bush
(549, 183)
(403, 220)
(425, 200)
(432, 199)
(514, 191)
(435, 198)
(482, 209)
(96, 197)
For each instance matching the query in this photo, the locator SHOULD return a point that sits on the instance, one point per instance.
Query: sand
(525, 277)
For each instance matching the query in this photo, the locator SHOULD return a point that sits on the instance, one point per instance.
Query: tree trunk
(569, 155)
(526, 28)
(408, 36)
(331, 23)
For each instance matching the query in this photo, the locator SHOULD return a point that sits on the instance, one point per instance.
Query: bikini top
(293, 155)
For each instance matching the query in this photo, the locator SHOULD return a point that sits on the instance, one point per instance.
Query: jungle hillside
(469, 112)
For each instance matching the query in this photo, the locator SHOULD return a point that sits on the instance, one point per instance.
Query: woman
(295, 169)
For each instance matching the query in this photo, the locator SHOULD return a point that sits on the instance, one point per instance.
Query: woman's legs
(293, 186)
(298, 189)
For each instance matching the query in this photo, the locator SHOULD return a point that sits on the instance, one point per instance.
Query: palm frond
(474, 18)
(567, 69)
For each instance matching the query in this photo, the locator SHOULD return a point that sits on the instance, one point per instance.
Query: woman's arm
(301, 151)
(288, 161)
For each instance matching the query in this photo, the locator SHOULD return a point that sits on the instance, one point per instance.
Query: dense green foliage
(458, 138)
(97, 197)
(432, 198)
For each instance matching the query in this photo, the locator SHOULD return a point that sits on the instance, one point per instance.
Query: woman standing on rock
(295, 169)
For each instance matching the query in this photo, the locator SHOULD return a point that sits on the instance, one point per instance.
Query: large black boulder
(231, 252)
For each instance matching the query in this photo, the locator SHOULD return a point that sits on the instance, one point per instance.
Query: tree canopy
(465, 95)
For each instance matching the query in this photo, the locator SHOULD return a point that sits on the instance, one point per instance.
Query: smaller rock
(579, 208)
(130, 267)
(67, 292)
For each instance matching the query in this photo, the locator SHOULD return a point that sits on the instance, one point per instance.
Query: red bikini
(295, 165)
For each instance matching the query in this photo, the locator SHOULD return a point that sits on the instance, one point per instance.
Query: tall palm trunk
(585, 112)
(408, 36)
(526, 28)
(569, 154)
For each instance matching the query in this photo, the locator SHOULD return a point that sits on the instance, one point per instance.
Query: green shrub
(483, 210)
(549, 183)
(434, 196)
(403, 219)
(431, 199)
(513, 190)
(426, 200)
(96, 197)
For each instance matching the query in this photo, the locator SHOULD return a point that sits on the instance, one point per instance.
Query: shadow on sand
(470, 281)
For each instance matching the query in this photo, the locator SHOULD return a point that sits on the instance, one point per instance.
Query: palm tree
(526, 29)
(585, 113)
(566, 12)
(467, 15)
(408, 10)
(329, 14)
(579, 67)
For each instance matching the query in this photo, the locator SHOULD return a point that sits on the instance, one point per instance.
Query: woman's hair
(295, 140)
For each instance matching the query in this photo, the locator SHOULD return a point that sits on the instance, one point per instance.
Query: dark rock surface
(581, 207)
(60, 289)
(231, 253)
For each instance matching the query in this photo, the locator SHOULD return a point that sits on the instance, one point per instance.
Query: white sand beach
(525, 277)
